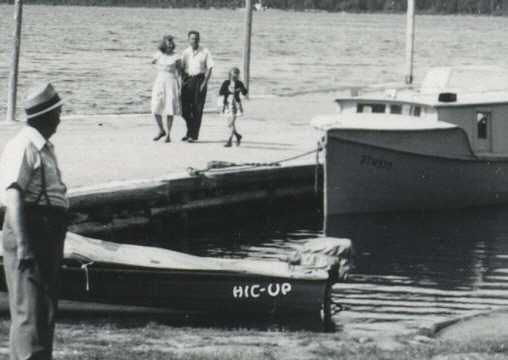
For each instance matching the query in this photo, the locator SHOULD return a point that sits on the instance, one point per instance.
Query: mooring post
(247, 47)
(410, 38)
(13, 77)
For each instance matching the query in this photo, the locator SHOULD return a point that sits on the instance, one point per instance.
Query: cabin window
(371, 108)
(395, 109)
(415, 110)
(482, 125)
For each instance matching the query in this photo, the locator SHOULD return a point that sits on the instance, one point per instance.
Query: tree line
(488, 7)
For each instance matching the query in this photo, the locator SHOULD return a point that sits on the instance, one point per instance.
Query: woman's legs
(158, 119)
(169, 122)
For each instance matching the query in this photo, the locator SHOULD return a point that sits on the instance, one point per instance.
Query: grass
(116, 339)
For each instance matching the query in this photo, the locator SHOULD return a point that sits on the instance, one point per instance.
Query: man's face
(194, 40)
(54, 121)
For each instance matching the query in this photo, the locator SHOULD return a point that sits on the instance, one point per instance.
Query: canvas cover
(317, 256)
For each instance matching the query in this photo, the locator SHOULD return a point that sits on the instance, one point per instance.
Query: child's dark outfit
(232, 105)
(232, 101)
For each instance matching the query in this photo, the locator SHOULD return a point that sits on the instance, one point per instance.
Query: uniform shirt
(196, 62)
(20, 167)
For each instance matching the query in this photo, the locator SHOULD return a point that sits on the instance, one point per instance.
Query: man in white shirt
(35, 198)
(197, 66)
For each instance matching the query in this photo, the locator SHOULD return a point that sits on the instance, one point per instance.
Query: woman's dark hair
(163, 46)
(193, 32)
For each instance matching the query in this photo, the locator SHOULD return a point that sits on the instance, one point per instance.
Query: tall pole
(410, 39)
(247, 45)
(13, 77)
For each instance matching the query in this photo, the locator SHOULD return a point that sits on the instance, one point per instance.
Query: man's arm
(209, 68)
(208, 75)
(15, 211)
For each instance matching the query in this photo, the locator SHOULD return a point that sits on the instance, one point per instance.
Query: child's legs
(232, 124)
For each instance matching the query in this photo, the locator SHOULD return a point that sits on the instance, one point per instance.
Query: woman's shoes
(160, 136)
(238, 139)
(168, 139)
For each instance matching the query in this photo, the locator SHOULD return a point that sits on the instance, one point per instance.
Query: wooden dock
(112, 164)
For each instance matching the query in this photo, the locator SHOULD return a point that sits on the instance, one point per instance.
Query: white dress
(166, 92)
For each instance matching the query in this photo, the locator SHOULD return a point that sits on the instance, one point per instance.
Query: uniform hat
(41, 99)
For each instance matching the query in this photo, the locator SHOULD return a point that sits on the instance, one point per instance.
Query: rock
(363, 340)
(423, 339)
(389, 345)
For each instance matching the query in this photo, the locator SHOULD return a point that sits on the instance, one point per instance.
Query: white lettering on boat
(273, 289)
(374, 162)
(256, 291)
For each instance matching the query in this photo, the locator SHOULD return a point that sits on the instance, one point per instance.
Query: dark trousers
(193, 102)
(33, 292)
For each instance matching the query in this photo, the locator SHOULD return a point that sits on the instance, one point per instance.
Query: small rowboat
(111, 273)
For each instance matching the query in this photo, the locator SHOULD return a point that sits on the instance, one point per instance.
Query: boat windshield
(397, 109)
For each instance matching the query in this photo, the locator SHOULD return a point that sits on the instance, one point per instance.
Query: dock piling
(247, 46)
(410, 38)
(13, 76)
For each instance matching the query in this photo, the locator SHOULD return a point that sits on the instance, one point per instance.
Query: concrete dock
(111, 163)
(94, 149)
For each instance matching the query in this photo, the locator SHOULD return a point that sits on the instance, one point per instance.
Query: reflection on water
(415, 269)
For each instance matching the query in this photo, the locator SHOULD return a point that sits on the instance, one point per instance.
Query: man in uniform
(197, 66)
(34, 227)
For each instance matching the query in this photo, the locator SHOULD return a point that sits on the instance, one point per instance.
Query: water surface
(99, 57)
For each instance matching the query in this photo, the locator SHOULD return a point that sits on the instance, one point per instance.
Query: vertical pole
(13, 77)
(247, 46)
(410, 38)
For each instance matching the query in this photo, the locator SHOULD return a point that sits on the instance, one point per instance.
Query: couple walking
(181, 85)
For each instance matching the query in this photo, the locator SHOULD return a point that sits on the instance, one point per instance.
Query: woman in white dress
(167, 87)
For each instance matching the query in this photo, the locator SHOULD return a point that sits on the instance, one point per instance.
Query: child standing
(231, 90)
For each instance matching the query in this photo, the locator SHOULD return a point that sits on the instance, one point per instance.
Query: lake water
(100, 57)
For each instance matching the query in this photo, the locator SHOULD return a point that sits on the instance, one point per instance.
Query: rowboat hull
(192, 291)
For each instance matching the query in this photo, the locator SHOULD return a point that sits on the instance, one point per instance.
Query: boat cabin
(472, 98)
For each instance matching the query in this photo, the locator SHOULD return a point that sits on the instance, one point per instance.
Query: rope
(225, 165)
(87, 277)
(336, 307)
(316, 168)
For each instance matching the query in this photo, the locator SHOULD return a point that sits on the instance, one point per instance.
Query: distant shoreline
(458, 7)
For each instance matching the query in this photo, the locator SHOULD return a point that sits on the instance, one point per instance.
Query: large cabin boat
(444, 145)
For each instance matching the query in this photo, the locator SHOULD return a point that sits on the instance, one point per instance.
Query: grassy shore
(150, 339)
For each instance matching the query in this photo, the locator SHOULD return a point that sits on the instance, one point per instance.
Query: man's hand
(25, 264)
(202, 87)
(25, 257)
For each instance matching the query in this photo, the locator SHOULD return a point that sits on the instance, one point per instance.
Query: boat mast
(247, 46)
(410, 38)
(13, 76)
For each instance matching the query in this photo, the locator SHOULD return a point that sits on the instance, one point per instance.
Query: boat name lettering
(255, 291)
(377, 163)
